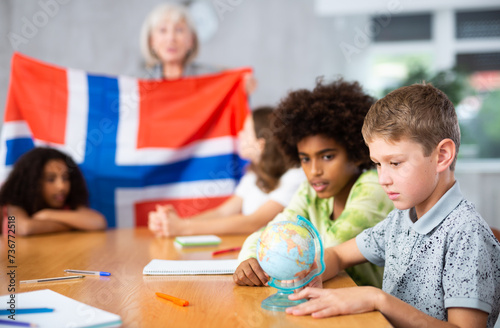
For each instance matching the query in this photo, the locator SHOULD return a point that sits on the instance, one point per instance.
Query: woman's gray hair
(177, 13)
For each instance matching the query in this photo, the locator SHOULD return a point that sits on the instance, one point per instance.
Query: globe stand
(279, 301)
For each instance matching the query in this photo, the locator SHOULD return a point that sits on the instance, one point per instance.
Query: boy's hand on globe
(249, 273)
(331, 302)
(317, 282)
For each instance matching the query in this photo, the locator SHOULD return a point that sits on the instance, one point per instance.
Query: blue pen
(17, 323)
(25, 311)
(94, 273)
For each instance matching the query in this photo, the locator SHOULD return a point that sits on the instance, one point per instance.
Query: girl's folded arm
(83, 218)
(26, 226)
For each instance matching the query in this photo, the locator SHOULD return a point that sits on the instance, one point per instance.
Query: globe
(291, 253)
(286, 250)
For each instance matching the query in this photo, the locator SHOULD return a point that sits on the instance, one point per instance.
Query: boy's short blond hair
(419, 112)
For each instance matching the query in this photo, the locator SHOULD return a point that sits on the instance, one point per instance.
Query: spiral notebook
(194, 267)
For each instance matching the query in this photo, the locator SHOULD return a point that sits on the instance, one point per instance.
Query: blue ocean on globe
(286, 250)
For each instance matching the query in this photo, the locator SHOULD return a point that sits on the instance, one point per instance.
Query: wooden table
(214, 301)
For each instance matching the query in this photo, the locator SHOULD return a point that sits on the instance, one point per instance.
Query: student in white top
(263, 192)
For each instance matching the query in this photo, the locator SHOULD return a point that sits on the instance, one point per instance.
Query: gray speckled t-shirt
(447, 258)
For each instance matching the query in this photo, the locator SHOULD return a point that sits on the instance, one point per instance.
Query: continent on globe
(286, 250)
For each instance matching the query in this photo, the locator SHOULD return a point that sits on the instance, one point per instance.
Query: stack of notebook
(59, 311)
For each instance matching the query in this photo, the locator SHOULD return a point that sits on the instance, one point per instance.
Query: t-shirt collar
(438, 212)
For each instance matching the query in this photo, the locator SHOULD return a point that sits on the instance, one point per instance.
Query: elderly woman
(169, 45)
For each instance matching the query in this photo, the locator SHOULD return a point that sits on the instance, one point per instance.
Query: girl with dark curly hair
(263, 192)
(321, 131)
(46, 192)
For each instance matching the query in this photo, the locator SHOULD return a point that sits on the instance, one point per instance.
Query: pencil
(94, 273)
(17, 323)
(222, 251)
(173, 299)
(50, 279)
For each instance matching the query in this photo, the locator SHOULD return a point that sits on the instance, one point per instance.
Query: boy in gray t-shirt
(442, 262)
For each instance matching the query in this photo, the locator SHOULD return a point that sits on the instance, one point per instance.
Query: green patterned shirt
(367, 204)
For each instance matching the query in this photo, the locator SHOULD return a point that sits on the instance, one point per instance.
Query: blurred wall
(287, 45)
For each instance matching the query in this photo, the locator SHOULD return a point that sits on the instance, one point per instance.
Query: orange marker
(175, 300)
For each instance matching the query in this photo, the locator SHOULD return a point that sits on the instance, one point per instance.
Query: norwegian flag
(137, 142)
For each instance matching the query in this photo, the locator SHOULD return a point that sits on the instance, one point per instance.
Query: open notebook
(67, 311)
(195, 267)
